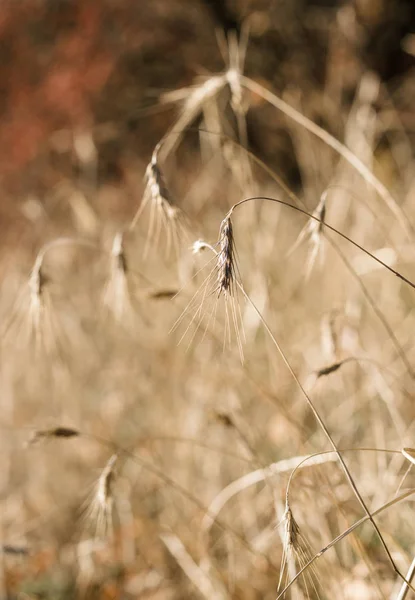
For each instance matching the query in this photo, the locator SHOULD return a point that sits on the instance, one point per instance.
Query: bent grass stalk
(373, 305)
(292, 196)
(317, 417)
(331, 141)
(289, 464)
(347, 532)
(330, 228)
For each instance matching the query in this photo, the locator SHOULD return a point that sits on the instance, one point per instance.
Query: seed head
(56, 432)
(100, 511)
(156, 183)
(226, 259)
(118, 253)
(291, 531)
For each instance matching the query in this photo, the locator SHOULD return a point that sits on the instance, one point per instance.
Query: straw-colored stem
(331, 141)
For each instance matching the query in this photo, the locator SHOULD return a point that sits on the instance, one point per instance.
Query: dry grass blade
(222, 418)
(254, 477)
(324, 372)
(403, 592)
(331, 141)
(409, 454)
(329, 369)
(209, 587)
(37, 308)
(194, 99)
(237, 54)
(330, 336)
(15, 550)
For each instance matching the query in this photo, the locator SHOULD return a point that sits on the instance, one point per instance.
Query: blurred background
(89, 340)
(79, 80)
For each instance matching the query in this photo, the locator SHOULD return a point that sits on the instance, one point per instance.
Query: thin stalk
(401, 352)
(331, 141)
(282, 466)
(329, 227)
(316, 416)
(365, 292)
(345, 534)
(409, 576)
(326, 433)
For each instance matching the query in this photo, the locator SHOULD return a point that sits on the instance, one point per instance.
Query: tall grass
(217, 392)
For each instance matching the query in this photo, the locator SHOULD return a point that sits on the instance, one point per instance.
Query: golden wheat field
(207, 300)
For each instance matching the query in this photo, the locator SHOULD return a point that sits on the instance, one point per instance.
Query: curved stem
(315, 413)
(344, 236)
(331, 141)
(326, 432)
(373, 305)
(346, 533)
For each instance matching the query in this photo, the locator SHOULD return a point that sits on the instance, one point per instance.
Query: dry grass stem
(409, 454)
(209, 587)
(249, 479)
(200, 452)
(194, 99)
(313, 232)
(331, 141)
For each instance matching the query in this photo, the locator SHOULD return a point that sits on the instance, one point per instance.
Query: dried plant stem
(278, 180)
(262, 474)
(316, 414)
(365, 292)
(196, 97)
(382, 227)
(330, 228)
(331, 141)
(345, 533)
(317, 455)
(327, 434)
(290, 194)
(210, 588)
(378, 312)
(282, 466)
(405, 588)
